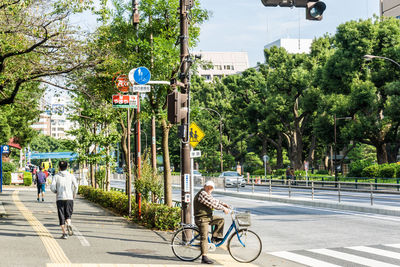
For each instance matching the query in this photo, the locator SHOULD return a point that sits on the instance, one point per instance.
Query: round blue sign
(141, 75)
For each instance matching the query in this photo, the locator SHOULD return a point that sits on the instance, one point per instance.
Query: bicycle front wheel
(244, 246)
(186, 244)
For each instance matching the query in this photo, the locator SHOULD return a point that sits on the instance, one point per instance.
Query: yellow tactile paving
(54, 250)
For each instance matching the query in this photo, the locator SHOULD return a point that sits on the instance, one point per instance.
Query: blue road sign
(141, 75)
(5, 149)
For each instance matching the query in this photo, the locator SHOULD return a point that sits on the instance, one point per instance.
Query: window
(217, 67)
(207, 77)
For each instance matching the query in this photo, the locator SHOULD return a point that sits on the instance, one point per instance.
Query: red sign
(122, 82)
(124, 101)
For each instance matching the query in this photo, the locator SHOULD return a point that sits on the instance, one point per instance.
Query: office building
(390, 8)
(292, 46)
(222, 64)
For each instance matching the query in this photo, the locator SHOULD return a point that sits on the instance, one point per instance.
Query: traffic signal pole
(185, 148)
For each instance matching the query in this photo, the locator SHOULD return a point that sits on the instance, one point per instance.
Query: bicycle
(244, 245)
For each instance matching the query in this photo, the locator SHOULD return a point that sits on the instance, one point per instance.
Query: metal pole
(334, 164)
(129, 165)
(185, 149)
(312, 189)
(290, 192)
(372, 196)
(191, 188)
(270, 185)
(339, 192)
(220, 144)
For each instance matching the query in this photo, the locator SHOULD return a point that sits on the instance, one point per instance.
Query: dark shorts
(41, 188)
(64, 209)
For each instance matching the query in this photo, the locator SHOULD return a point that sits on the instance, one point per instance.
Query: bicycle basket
(243, 219)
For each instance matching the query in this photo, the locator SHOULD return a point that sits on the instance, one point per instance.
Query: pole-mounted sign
(122, 83)
(139, 75)
(124, 101)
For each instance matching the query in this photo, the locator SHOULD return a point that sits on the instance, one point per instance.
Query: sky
(247, 25)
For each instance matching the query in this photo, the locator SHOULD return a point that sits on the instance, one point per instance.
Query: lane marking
(302, 259)
(227, 260)
(377, 251)
(54, 250)
(116, 265)
(352, 258)
(81, 238)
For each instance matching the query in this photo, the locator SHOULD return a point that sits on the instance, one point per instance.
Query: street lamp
(335, 119)
(220, 136)
(371, 57)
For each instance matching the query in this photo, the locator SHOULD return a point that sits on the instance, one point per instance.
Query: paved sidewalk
(30, 236)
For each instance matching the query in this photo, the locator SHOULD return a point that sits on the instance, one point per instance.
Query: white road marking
(377, 251)
(352, 258)
(302, 259)
(81, 238)
(393, 245)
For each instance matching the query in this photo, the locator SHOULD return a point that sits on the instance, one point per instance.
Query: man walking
(40, 183)
(65, 186)
(204, 203)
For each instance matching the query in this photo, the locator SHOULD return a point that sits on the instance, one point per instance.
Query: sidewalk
(30, 236)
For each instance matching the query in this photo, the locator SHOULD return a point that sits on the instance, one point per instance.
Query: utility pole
(185, 147)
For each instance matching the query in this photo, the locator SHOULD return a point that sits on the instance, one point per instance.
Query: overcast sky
(247, 25)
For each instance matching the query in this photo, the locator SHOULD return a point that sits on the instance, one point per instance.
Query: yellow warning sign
(195, 134)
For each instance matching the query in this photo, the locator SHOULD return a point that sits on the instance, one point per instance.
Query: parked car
(232, 179)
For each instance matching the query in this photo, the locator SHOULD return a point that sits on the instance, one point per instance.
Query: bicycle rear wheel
(186, 244)
(244, 246)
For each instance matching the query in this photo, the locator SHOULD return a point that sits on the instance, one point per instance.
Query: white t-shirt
(64, 185)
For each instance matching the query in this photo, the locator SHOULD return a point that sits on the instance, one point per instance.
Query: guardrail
(337, 188)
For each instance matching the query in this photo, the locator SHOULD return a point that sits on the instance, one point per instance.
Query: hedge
(27, 178)
(154, 216)
(382, 171)
(7, 178)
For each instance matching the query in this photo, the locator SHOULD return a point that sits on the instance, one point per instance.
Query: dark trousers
(203, 224)
(64, 210)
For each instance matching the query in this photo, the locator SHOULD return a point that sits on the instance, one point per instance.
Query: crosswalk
(387, 255)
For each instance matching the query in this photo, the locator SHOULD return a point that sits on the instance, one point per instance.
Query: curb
(2, 210)
(313, 203)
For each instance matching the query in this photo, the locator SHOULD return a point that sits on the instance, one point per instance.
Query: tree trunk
(153, 145)
(381, 153)
(311, 154)
(279, 154)
(392, 150)
(108, 171)
(167, 166)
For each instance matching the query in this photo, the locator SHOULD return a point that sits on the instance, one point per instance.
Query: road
(320, 236)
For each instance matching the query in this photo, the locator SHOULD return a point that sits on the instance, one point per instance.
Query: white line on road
(377, 251)
(393, 245)
(81, 238)
(352, 258)
(302, 259)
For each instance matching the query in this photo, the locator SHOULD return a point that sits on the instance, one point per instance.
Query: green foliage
(9, 167)
(258, 172)
(150, 183)
(387, 170)
(370, 171)
(322, 172)
(356, 168)
(6, 178)
(279, 172)
(27, 178)
(100, 177)
(155, 216)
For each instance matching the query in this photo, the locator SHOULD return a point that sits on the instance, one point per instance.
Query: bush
(279, 172)
(370, 171)
(7, 178)
(387, 171)
(8, 167)
(325, 172)
(397, 167)
(156, 216)
(357, 167)
(27, 178)
(259, 172)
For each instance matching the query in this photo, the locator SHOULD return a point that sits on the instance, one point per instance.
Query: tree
(365, 90)
(37, 42)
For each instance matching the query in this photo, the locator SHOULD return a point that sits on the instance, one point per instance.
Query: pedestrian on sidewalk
(65, 186)
(40, 181)
(204, 203)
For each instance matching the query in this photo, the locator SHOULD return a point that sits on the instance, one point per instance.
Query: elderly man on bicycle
(204, 203)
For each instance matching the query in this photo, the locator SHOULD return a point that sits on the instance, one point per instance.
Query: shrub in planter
(279, 171)
(357, 167)
(370, 171)
(8, 167)
(322, 172)
(27, 178)
(7, 178)
(397, 167)
(386, 171)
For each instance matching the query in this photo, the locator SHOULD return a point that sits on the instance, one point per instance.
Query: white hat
(210, 183)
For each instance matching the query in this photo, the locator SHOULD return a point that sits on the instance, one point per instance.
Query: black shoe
(64, 236)
(216, 240)
(42, 199)
(38, 200)
(206, 260)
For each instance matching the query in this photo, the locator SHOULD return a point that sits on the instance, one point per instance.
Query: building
(53, 120)
(223, 64)
(293, 46)
(390, 8)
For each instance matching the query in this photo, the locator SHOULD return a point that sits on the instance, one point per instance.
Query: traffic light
(176, 111)
(314, 8)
